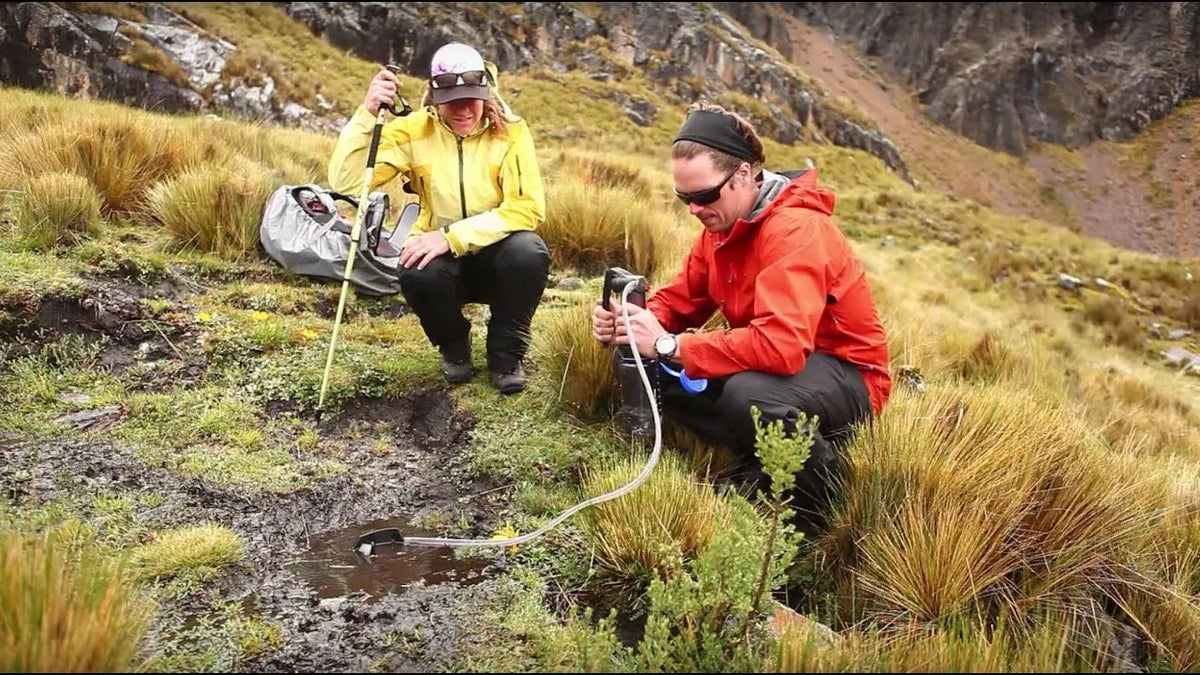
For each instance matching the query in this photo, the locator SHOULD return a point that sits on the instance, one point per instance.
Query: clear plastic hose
(641, 478)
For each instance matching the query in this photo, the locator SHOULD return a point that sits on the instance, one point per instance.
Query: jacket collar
(778, 192)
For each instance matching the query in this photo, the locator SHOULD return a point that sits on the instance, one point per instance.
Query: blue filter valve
(689, 385)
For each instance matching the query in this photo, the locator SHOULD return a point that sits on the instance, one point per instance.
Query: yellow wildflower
(506, 531)
(204, 317)
(261, 316)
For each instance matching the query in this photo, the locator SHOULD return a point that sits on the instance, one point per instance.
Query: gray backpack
(303, 232)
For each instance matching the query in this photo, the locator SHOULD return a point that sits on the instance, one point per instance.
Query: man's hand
(424, 249)
(384, 88)
(646, 328)
(604, 325)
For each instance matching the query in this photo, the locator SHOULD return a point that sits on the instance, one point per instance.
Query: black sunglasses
(471, 77)
(705, 197)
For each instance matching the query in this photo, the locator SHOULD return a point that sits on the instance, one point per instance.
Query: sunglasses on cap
(473, 78)
(705, 197)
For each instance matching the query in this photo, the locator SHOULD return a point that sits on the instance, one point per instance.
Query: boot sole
(459, 379)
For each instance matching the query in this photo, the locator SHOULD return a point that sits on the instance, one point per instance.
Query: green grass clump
(199, 551)
(575, 370)
(55, 209)
(649, 532)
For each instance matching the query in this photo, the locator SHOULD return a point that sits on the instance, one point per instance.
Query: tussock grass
(649, 532)
(119, 10)
(973, 500)
(122, 154)
(214, 207)
(200, 551)
(590, 227)
(601, 172)
(55, 209)
(65, 614)
(1046, 647)
(1113, 316)
(1191, 310)
(24, 110)
(574, 370)
(1168, 612)
(205, 181)
(705, 460)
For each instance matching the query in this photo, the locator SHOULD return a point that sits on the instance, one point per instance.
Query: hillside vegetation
(1030, 497)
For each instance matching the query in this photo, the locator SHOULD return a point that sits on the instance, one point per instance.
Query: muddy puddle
(407, 609)
(334, 568)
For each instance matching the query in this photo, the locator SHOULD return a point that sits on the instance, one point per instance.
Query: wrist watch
(666, 346)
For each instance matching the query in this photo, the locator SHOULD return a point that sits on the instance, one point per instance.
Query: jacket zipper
(520, 184)
(462, 185)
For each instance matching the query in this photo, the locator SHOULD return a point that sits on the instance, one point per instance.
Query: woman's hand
(384, 89)
(424, 249)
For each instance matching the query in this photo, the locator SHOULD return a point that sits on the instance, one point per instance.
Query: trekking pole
(356, 234)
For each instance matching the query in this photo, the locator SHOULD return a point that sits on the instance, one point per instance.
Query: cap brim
(447, 94)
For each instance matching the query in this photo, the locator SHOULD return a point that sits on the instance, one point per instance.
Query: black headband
(719, 132)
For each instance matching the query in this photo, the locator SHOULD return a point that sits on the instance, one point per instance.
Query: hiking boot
(510, 381)
(457, 372)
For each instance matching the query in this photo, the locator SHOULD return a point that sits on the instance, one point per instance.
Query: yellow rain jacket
(477, 189)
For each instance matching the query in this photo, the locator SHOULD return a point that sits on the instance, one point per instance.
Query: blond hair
(495, 110)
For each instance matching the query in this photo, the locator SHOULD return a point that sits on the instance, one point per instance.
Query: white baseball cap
(457, 72)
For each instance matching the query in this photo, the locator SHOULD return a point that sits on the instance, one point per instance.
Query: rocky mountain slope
(1006, 74)
(147, 55)
(1129, 175)
(142, 54)
(690, 49)
(1015, 77)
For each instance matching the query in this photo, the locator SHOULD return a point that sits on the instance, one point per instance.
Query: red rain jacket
(788, 283)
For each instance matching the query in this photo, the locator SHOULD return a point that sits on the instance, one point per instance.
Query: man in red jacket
(804, 333)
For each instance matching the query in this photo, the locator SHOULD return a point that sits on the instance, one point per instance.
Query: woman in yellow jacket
(473, 165)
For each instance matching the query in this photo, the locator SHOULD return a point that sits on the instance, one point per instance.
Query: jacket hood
(802, 192)
(778, 192)
(773, 185)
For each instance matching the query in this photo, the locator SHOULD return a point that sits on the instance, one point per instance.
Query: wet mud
(402, 610)
(110, 313)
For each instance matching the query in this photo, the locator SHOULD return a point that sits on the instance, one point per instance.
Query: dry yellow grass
(65, 615)
(122, 154)
(206, 181)
(214, 207)
(974, 499)
(590, 227)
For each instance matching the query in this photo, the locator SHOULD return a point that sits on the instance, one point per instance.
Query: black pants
(509, 276)
(827, 387)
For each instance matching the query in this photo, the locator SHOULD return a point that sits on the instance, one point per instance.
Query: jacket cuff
(457, 246)
(362, 121)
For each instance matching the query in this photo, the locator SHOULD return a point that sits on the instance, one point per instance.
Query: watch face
(665, 345)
